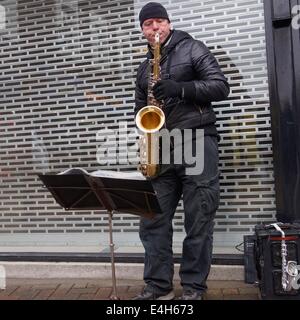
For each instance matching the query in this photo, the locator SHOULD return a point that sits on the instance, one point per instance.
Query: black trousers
(200, 199)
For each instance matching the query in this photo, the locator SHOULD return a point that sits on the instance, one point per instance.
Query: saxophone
(149, 120)
(289, 268)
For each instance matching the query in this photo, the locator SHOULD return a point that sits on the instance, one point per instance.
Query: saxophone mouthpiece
(157, 37)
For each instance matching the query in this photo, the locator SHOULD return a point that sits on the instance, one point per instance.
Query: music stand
(81, 191)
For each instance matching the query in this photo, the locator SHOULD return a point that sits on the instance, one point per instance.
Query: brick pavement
(94, 289)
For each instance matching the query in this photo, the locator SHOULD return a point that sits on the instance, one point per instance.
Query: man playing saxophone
(190, 80)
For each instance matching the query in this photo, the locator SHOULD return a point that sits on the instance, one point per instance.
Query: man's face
(151, 26)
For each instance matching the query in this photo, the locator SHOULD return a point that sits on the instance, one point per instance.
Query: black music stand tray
(81, 191)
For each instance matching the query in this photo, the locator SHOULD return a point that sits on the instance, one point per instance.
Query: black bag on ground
(263, 260)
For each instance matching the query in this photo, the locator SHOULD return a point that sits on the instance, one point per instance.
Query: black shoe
(149, 295)
(191, 295)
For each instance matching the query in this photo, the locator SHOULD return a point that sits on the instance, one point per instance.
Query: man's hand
(164, 89)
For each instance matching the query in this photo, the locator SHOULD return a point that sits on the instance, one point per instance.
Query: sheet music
(134, 175)
(74, 171)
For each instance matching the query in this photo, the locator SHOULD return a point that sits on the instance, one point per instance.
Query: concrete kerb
(129, 271)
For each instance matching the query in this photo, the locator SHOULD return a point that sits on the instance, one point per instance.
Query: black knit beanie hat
(153, 10)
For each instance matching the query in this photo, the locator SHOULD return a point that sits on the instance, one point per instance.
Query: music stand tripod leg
(112, 255)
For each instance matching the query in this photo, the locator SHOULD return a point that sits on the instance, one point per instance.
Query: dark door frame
(283, 58)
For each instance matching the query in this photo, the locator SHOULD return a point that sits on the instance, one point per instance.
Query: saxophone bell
(149, 121)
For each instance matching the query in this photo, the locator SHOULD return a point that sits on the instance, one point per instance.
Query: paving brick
(8, 298)
(80, 284)
(241, 297)
(95, 284)
(43, 286)
(135, 289)
(80, 291)
(213, 297)
(248, 290)
(214, 292)
(103, 294)
(122, 292)
(25, 294)
(69, 297)
(44, 294)
(65, 285)
(122, 289)
(8, 290)
(60, 292)
(86, 296)
(230, 291)
(248, 297)
(225, 284)
(3, 294)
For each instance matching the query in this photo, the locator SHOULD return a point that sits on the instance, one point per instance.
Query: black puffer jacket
(186, 59)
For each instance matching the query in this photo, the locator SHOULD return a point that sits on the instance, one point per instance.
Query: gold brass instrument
(150, 120)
